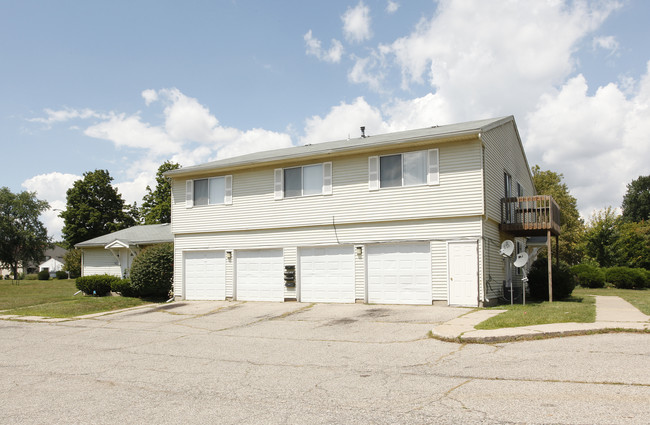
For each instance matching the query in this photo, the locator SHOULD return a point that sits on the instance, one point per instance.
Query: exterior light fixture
(229, 255)
(359, 250)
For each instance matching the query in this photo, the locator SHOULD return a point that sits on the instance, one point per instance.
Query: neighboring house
(403, 218)
(52, 265)
(56, 253)
(113, 253)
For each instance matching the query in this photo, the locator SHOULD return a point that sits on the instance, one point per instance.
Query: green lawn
(639, 298)
(55, 298)
(575, 309)
(581, 308)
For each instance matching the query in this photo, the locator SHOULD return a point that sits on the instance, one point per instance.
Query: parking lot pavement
(257, 363)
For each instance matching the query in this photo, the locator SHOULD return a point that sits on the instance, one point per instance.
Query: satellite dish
(522, 259)
(507, 248)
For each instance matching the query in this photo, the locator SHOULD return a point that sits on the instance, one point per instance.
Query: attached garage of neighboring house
(114, 253)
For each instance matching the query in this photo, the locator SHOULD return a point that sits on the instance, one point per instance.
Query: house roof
(136, 235)
(362, 143)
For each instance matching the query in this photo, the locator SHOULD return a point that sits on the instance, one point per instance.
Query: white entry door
(205, 275)
(463, 273)
(399, 273)
(327, 274)
(259, 275)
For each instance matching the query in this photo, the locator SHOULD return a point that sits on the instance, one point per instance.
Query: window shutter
(327, 178)
(373, 173)
(279, 186)
(189, 193)
(434, 167)
(228, 190)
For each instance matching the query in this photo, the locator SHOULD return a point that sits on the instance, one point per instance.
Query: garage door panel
(327, 274)
(399, 273)
(205, 275)
(260, 275)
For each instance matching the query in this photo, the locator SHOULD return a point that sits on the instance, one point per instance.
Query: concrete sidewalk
(612, 313)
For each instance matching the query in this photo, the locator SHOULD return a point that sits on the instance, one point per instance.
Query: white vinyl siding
(100, 261)
(458, 195)
(503, 153)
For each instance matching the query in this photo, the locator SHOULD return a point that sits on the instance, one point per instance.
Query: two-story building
(404, 218)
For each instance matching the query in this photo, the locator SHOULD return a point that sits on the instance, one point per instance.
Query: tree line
(606, 239)
(94, 207)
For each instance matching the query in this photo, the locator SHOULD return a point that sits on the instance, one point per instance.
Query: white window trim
(189, 192)
(326, 185)
(432, 167)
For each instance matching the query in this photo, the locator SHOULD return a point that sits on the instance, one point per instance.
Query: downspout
(481, 248)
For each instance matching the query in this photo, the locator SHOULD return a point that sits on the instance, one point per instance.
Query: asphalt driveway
(256, 363)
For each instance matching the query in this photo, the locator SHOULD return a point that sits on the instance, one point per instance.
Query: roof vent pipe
(363, 131)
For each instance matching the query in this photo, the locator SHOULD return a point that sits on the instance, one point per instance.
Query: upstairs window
(210, 191)
(404, 169)
(307, 180)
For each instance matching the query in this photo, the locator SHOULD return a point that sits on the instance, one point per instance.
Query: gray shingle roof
(136, 235)
(429, 133)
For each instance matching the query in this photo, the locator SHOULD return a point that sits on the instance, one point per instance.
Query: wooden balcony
(530, 216)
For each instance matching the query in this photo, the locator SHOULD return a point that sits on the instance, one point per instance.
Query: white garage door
(259, 275)
(327, 274)
(399, 273)
(205, 275)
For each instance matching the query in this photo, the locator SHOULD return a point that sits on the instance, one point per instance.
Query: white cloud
(490, 58)
(149, 96)
(392, 7)
(52, 187)
(356, 23)
(130, 131)
(332, 55)
(365, 70)
(344, 120)
(66, 114)
(599, 141)
(607, 43)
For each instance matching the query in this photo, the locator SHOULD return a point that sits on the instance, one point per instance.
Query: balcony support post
(550, 266)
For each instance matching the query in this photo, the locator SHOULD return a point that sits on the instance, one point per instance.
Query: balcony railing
(530, 215)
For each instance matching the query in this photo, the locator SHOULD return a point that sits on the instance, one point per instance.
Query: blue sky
(126, 85)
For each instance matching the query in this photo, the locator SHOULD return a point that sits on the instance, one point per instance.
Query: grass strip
(580, 309)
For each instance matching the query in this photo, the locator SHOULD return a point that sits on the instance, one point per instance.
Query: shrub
(61, 274)
(29, 276)
(99, 285)
(626, 278)
(72, 262)
(153, 270)
(563, 280)
(588, 276)
(44, 275)
(124, 287)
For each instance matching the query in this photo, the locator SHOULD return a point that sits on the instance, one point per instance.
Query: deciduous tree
(23, 237)
(636, 202)
(94, 208)
(157, 203)
(572, 226)
(600, 237)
